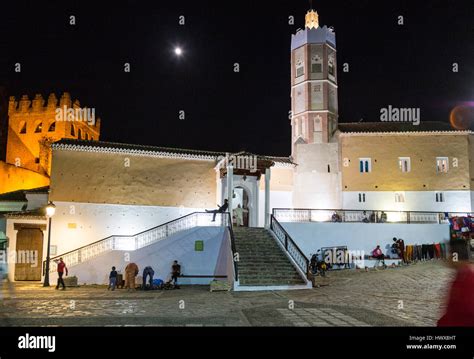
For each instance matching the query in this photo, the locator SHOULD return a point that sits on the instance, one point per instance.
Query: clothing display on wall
(416, 252)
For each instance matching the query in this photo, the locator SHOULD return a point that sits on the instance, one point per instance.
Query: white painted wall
(97, 221)
(160, 256)
(363, 236)
(454, 201)
(314, 186)
(278, 199)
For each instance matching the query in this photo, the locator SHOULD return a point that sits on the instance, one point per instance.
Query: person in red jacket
(460, 304)
(61, 269)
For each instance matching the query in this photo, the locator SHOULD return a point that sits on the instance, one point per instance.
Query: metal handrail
(287, 241)
(109, 243)
(233, 247)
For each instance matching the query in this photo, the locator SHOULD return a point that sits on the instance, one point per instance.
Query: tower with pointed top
(313, 83)
(314, 119)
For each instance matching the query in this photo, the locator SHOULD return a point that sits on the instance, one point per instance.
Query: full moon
(178, 51)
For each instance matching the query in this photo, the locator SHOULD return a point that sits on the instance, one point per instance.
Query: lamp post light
(50, 210)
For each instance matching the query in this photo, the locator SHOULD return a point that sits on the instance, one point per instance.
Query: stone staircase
(261, 260)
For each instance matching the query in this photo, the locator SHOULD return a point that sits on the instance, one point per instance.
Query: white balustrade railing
(369, 216)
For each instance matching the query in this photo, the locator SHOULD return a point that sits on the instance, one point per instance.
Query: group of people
(317, 264)
(131, 271)
(237, 213)
(373, 218)
(398, 248)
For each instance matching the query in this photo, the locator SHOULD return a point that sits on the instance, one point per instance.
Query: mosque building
(110, 197)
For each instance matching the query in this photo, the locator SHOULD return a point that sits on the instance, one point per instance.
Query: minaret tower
(314, 143)
(313, 83)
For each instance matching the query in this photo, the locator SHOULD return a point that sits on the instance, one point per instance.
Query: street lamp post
(50, 210)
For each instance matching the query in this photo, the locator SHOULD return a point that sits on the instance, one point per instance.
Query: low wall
(78, 224)
(363, 236)
(212, 260)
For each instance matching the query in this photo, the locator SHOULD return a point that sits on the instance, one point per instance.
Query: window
(39, 127)
(365, 165)
(23, 127)
(361, 197)
(299, 63)
(73, 130)
(404, 164)
(442, 164)
(331, 69)
(79, 134)
(439, 197)
(299, 70)
(399, 197)
(52, 127)
(87, 136)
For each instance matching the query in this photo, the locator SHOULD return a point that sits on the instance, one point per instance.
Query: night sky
(403, 66)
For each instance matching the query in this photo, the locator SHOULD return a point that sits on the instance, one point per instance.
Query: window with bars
(404, 164)
(442, 164)
(399, 197)
(365, 165)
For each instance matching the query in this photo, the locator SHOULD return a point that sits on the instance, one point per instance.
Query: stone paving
(404, 296)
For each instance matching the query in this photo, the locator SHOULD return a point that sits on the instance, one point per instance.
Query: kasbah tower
(314, 120)
(32, 127)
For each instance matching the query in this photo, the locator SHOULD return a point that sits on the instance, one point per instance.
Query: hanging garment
(409, 253)
(444, 249)
(424, 251)
(431, 251)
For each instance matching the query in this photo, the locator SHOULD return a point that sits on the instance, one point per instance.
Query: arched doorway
(241, 200)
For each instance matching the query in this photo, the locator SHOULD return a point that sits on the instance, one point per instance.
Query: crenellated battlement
(37, 105)
(34, 123)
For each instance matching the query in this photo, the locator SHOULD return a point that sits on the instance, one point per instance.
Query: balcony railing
(367, 216)
(142, 239)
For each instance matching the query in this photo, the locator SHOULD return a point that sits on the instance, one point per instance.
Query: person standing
(148, 271)
(239, 215)
(112, 279)
(61, 269)
(401, 248)
(131, 271)
(175, 273)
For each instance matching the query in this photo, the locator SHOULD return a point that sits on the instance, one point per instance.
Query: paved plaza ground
(403, 296)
